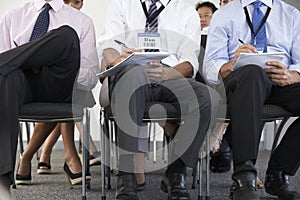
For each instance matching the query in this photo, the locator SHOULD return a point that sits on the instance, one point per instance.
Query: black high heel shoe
(74, 179)
(23, 179)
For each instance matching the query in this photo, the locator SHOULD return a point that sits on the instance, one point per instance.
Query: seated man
(40, 66)
(170, 26)
(205, 10)
(249, 87)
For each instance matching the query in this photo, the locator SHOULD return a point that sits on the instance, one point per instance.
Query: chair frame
(85, 118)
(104, 132)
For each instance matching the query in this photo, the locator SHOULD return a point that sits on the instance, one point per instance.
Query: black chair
(158, 114)
(59, 112)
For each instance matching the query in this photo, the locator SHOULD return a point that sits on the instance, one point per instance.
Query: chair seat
(270, 113)
(156, 111)
(273, 112)
(37, 111)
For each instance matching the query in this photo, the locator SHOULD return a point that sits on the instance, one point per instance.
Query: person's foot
(140, 180)
(277, 184)
(43, 168)
(126, 187)
(244, 185)
(74, 178)
(95, 158)
(220, 161)
(23, 176)
(174, 185)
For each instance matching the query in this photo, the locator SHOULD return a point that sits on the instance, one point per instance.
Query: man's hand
(227, 67)
(157, 72)
(125, 53)
(280, 75)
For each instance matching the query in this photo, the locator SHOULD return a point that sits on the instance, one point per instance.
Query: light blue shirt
(229, 24)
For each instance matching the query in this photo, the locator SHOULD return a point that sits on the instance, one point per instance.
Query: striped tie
(152, 26)
(257, 17)
(42, 23)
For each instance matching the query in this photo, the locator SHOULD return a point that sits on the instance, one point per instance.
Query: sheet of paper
(259, 59)
(137, 58)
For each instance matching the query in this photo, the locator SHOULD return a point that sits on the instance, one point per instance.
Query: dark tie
(42, 23)
(257, 17)
(152, 26)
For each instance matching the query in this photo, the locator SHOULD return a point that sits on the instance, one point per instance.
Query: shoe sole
(43, 171)
(76, 181)
(93, 162)
(23, 182)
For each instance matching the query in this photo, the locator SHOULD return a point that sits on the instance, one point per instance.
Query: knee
(68, 35)
(255, 75)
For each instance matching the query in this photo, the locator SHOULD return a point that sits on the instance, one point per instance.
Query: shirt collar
(268, 3)
(55, 4)
(163, 2)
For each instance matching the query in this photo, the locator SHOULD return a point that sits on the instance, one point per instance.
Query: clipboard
(259, 59)
(136, 58)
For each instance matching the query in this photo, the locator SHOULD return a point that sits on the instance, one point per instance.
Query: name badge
(149, 40)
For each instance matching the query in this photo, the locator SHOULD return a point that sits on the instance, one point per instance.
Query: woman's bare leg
(40, 133)
(71, 156)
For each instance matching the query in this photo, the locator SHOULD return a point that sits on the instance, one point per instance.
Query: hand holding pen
(126, 51)
(247, 48)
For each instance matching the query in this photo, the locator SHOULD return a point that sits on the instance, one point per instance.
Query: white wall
(96, 9)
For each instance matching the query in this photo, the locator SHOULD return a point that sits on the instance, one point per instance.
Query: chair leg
(204, 152)
(85, 153)
(200, 191)
(154, 143)
(207, 166)
(278, 133)
(107, 152)
(103, 153)
(21, 139)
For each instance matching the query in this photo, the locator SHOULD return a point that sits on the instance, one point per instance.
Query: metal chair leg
(278, 133)
(103, 153)
(207, 166)
(154, 143)
(85, 152)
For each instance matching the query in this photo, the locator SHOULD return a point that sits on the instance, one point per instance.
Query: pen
(241, 41)
(15, 43)
(121, 43)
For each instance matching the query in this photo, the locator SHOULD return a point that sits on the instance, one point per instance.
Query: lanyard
(152, 17)
(260, 25)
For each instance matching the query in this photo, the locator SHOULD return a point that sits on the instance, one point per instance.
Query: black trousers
(56, 56)
(248, 89)
(131, 89)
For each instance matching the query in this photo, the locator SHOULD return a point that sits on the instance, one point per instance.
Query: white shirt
(17, 26)
(226, 28)
(178, 25)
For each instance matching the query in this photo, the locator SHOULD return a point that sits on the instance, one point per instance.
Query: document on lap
(259, 59)
(136, 58)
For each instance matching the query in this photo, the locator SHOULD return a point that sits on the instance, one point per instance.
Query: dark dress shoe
(244, 187)
(126, 187)
(220, 161)
(175, 187)
(277, 184)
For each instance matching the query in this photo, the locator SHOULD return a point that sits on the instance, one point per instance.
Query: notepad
(259, 59)
(136, 58)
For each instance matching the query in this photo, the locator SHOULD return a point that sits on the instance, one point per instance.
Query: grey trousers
(130, 90)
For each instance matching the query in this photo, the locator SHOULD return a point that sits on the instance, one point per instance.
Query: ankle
(140, 178)
(74, 165)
